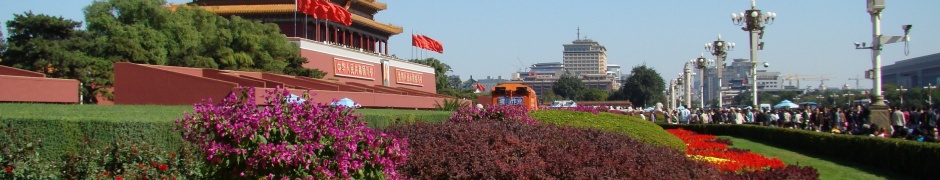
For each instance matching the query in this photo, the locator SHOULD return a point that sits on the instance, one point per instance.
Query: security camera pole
(879, 111)
(753, 22)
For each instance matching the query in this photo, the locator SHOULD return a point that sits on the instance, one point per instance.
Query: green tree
(549, 97)
(145, 31)
(569, 87)
(56, 47)
(595, 95)
(3, 45)
(644, 86)
(440, 70)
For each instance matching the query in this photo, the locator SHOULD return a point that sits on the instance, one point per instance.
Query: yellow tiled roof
(291, 8)
(373, 4)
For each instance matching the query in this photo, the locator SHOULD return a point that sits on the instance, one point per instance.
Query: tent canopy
(786, 104)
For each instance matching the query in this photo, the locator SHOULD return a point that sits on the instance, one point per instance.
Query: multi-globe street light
(720, 49)
(702, 64)
(753, 21)
(879, 111)
(686, 77)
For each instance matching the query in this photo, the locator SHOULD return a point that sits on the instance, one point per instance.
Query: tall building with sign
(585, 56)
(355, 54)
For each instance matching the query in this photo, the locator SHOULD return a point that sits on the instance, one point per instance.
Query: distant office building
(914, 72)
(614, 70)
(489, 82)
(585, 56)
(736, 80)
(549, 69)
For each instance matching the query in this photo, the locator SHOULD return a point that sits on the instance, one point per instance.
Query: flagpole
(305, 27)
(295, 17)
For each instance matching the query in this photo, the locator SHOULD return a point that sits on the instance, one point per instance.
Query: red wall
(38, 89)
(371, 100)
(324, 62)
(146, 84)
(10, 71)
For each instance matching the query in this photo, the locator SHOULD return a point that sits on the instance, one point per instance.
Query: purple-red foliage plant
(516, 150)
(493, 113)
(285, 139)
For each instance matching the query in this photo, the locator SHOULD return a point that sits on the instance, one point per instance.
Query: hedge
(634, 127)
(918, 159)
(62, 135)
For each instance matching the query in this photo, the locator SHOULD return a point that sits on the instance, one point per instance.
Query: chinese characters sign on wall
(353, 69)
(409, 78)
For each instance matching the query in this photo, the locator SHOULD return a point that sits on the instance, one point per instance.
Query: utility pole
(879, 111)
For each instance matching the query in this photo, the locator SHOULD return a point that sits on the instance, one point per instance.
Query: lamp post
(879, 111)
(901, 94)
(720, 49)
(930, 88)
(687, 76)
(753, 22)
(702, 64)
(672, 94)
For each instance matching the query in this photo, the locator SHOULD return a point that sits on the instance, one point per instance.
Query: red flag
(420, 42)
(322, 9)
(481, 87)
(433, 45)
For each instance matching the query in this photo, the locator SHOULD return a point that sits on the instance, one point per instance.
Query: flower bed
(704, 147)
(738, 163)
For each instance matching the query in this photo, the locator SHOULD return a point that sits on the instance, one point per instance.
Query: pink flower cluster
(492, 113)
(286, 139)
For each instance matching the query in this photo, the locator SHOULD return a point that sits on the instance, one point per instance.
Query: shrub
(897, 155)
(516, 150)
(133, 160)
(492, 113)
(19, 156)
(450, 104)
(644, 131)
(285, 139)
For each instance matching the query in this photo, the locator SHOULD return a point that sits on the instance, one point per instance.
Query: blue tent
(786, 104)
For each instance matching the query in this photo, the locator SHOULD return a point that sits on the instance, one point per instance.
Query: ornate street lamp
(702, 64)
(686, 77)
(720, 49)
(753, 21)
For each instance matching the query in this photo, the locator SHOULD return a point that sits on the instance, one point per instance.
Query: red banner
(353, 69)
(322, 9)
(409, 78)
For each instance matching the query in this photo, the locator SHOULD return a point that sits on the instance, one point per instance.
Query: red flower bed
(720, 156)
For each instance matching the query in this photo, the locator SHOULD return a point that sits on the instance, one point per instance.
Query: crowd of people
(913, 123)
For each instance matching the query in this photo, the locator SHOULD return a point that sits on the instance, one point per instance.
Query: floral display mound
(634, 127)
(503, 143)
(287, 139)
(738, 163)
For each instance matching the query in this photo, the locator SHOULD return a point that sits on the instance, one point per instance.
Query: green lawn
(376, 117)
(828, 169)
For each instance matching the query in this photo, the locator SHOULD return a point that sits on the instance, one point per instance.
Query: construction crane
(856, 81)
(798, 77)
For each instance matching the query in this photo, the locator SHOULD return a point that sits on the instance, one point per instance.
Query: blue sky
(486, 37)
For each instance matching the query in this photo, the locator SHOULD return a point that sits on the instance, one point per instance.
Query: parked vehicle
(515, 94)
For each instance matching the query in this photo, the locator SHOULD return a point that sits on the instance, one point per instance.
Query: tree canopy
(147, 32)
(569, 87)
(644, 86)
